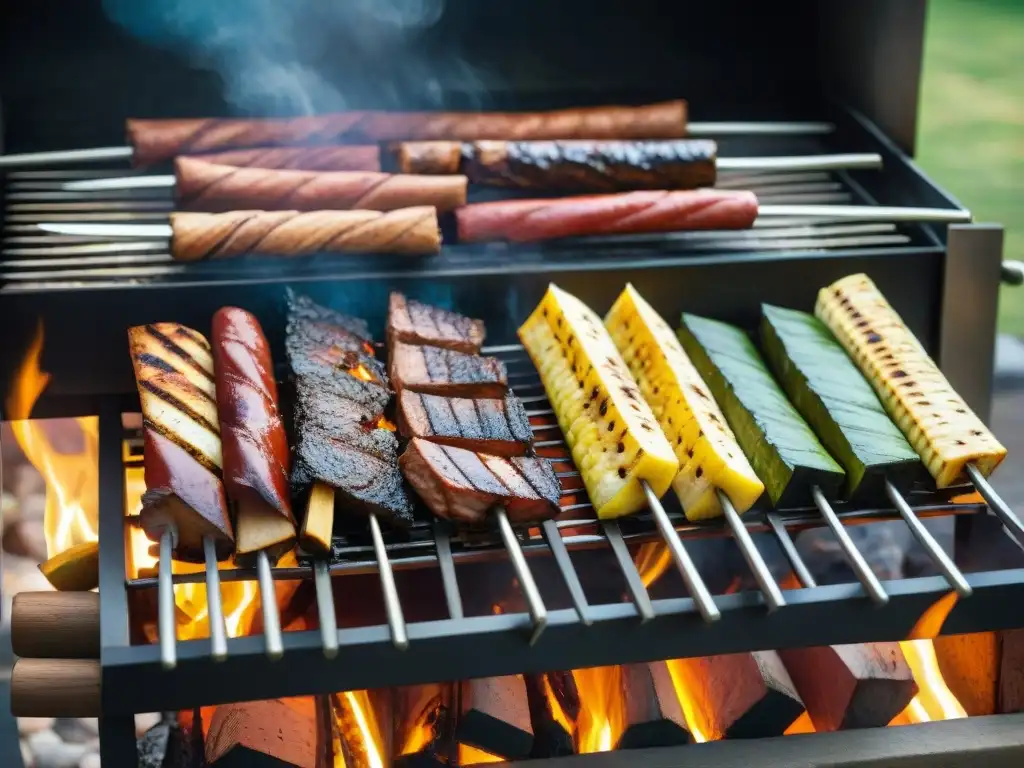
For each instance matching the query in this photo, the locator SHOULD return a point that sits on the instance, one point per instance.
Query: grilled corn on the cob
(935, 419)
(611, 431)
(708, 454)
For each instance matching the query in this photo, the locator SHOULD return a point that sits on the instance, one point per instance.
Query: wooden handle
(56, 625)
(55, 688)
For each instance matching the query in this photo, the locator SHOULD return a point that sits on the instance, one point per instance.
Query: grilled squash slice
(708, 454)
(943, 430)
(614, 438)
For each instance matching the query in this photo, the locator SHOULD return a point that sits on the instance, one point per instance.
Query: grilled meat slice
(301, 308)
(346, 421)
(498, 427)
(461, 485)
(183, 455)
(327, 348)
(436, 371)
(411, 322)
(366, 482)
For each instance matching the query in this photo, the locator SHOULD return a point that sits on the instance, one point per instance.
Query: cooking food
(255, 447)
(945, 432)
(618, 214)
(343, 446)
(159, 140)
(183, 454)
(615, 440)
(437, 371)
(334, 351)
(493, 426)
(708, 454)
(569, 166)
(205, 186)
(408, 231)
(464, 486)
(411, 322)
(781, 448)
(337, 158)
(829, 391)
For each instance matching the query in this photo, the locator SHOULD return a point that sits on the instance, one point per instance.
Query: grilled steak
(488, 425)
(346, 421)
(461, 485)
(436, 371)
(335, 351)
(415, 323)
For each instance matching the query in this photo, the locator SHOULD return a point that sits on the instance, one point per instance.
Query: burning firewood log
(653, 714)
(362, 722)
(494, 716)
(851, 686)
(262, 733)
(552, 733)
(739, 695)
(423, 723)
(165, 745)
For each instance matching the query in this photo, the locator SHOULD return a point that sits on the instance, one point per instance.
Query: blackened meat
(344, 420)
(301, 308)
(436, 371)
(411, 322)
(498, 427)
(461, 485)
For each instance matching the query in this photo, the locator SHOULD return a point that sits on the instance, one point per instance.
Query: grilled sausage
(256, 460)
(624, 213)
(356, 158)
(568, 166)
(204, 186)
(409, 231)
(155, 141)
(183, 455)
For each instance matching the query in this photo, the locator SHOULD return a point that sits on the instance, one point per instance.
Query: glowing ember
(72, 479)
(362, 372)
(358, 727)
(383, 423)
(473, 756)
(602, 716)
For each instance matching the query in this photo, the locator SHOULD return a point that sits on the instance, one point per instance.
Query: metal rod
(763, 576)
(564, 563)
(166, 625)
(450, 582)
(534, 602)
(127, 182)
(214, 606)
(691, 576)
(925, 539)
(759, 128)
(865, 575)
(995, 502)
(66, 156)
(325, 608)
(637, 591)
(855, 161)
(796, 562)
(393, 606)
(268, 600)
(870, 213)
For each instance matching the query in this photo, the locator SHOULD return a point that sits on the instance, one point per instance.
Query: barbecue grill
(943, 280)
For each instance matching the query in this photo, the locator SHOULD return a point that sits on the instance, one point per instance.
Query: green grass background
(971, 120)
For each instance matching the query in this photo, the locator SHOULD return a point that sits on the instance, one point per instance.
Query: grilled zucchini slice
(944, 431)
(834, 398)
(780, 445)
(709, 456)
(614, 438)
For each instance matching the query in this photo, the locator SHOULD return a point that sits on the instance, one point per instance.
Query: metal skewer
(763, 576)
(66, 157)
(325, 608)
(534, 602)
(856, 559)
(166, 626)
(995, 502)
(795, 163)
(268, 600)
(691, 576)
(393, 606)
(214, 607)
(925, 539)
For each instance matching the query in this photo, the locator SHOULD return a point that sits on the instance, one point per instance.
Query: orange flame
(362, 372)
(934, 700)
(652, 560)
(356, 723)
(383, 423)
(472, 756)
(602, 716)
(693, 711)
(72, 479)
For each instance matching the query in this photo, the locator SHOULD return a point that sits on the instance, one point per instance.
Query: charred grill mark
(147, 358)
(174, 349)
(175, 438)
(181, 405)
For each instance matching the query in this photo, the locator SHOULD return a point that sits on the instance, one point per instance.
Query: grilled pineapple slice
(708, 454)
(614, 438)
(935, 419)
